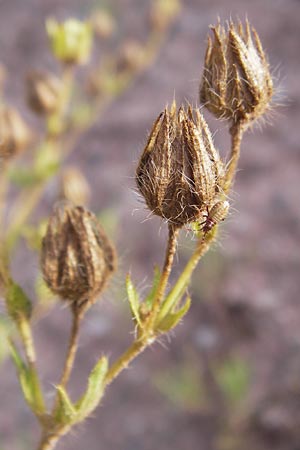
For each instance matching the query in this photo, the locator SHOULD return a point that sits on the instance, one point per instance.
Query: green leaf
(156, 278)
(66, 411)
(173, 318)
(233, 377)
(29, 382)
(22, 177)
(95, 389)
(18, 304)
(46, 162)
(171, 301)
(133, 298)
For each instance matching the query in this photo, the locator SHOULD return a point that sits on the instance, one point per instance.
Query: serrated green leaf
(66, 411)
(173, 318)
(133, 298)
(94, 392)
(18, 304)
(156, 278)
(29, 382)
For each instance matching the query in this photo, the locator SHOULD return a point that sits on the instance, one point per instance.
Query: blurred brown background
(230, 377)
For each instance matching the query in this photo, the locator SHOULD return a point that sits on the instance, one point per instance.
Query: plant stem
(124, 360)
(185, 276)
(27, 341)
(236, 131)
(169, 258)
(72, 348)
(138, 346)
(49, 440)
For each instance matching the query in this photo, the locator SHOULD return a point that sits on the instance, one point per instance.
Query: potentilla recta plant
(180, 175)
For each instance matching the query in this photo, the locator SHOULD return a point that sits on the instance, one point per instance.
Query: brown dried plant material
(236, 82)
(180, 172)
(44, 92)
(15, 135)
(77, 257)
(74, 186)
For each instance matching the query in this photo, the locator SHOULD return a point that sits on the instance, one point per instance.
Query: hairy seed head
(236, 82)
(180, 171)
(77, 257)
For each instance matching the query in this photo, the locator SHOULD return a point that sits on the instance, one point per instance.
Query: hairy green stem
(236, 131)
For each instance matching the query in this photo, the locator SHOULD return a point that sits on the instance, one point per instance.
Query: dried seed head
(180, 171)
(14, 133)
(163, 13)
(74, 187)
(132, 56)
(77, 257)
(236, 82)
(44, 92)
(103, 23)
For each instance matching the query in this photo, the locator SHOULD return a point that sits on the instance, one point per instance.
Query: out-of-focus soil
(246, 292)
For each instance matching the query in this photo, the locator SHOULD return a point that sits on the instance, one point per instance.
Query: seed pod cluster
(236, 82)
(77, 257)
(180, 172)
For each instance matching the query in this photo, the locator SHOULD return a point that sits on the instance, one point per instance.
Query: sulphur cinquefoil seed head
(15, 135)
(236, 82)
(180, 171)
(77, 257)
(44, 92)
(74, 186)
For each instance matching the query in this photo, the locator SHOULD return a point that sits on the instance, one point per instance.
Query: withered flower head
(236, 82)
(74, 186)
(44, 92)
(77, 257)
(14, 133)
(180, 171)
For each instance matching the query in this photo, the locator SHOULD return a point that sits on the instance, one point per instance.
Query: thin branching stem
(72, 348)
(169, 259)
(236, 131)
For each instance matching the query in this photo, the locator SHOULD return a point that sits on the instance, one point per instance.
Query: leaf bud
(44, 92)
(77, 257)
(236, 82)
(71, 41)
(180, 172)
(14, 133)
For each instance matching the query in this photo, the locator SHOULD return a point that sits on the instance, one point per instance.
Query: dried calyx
(236, 82)
(77, 257)
(15, 135)
(44, 92)
(180, 173)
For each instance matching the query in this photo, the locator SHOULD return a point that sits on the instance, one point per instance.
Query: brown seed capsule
(103, 23)
(132, 56)
(77, 257)
(14, 133)
(74, 187)
(180, 171)
(236, 82)
(44, 92)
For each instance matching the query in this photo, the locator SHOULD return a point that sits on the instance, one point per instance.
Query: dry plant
(180, 174)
